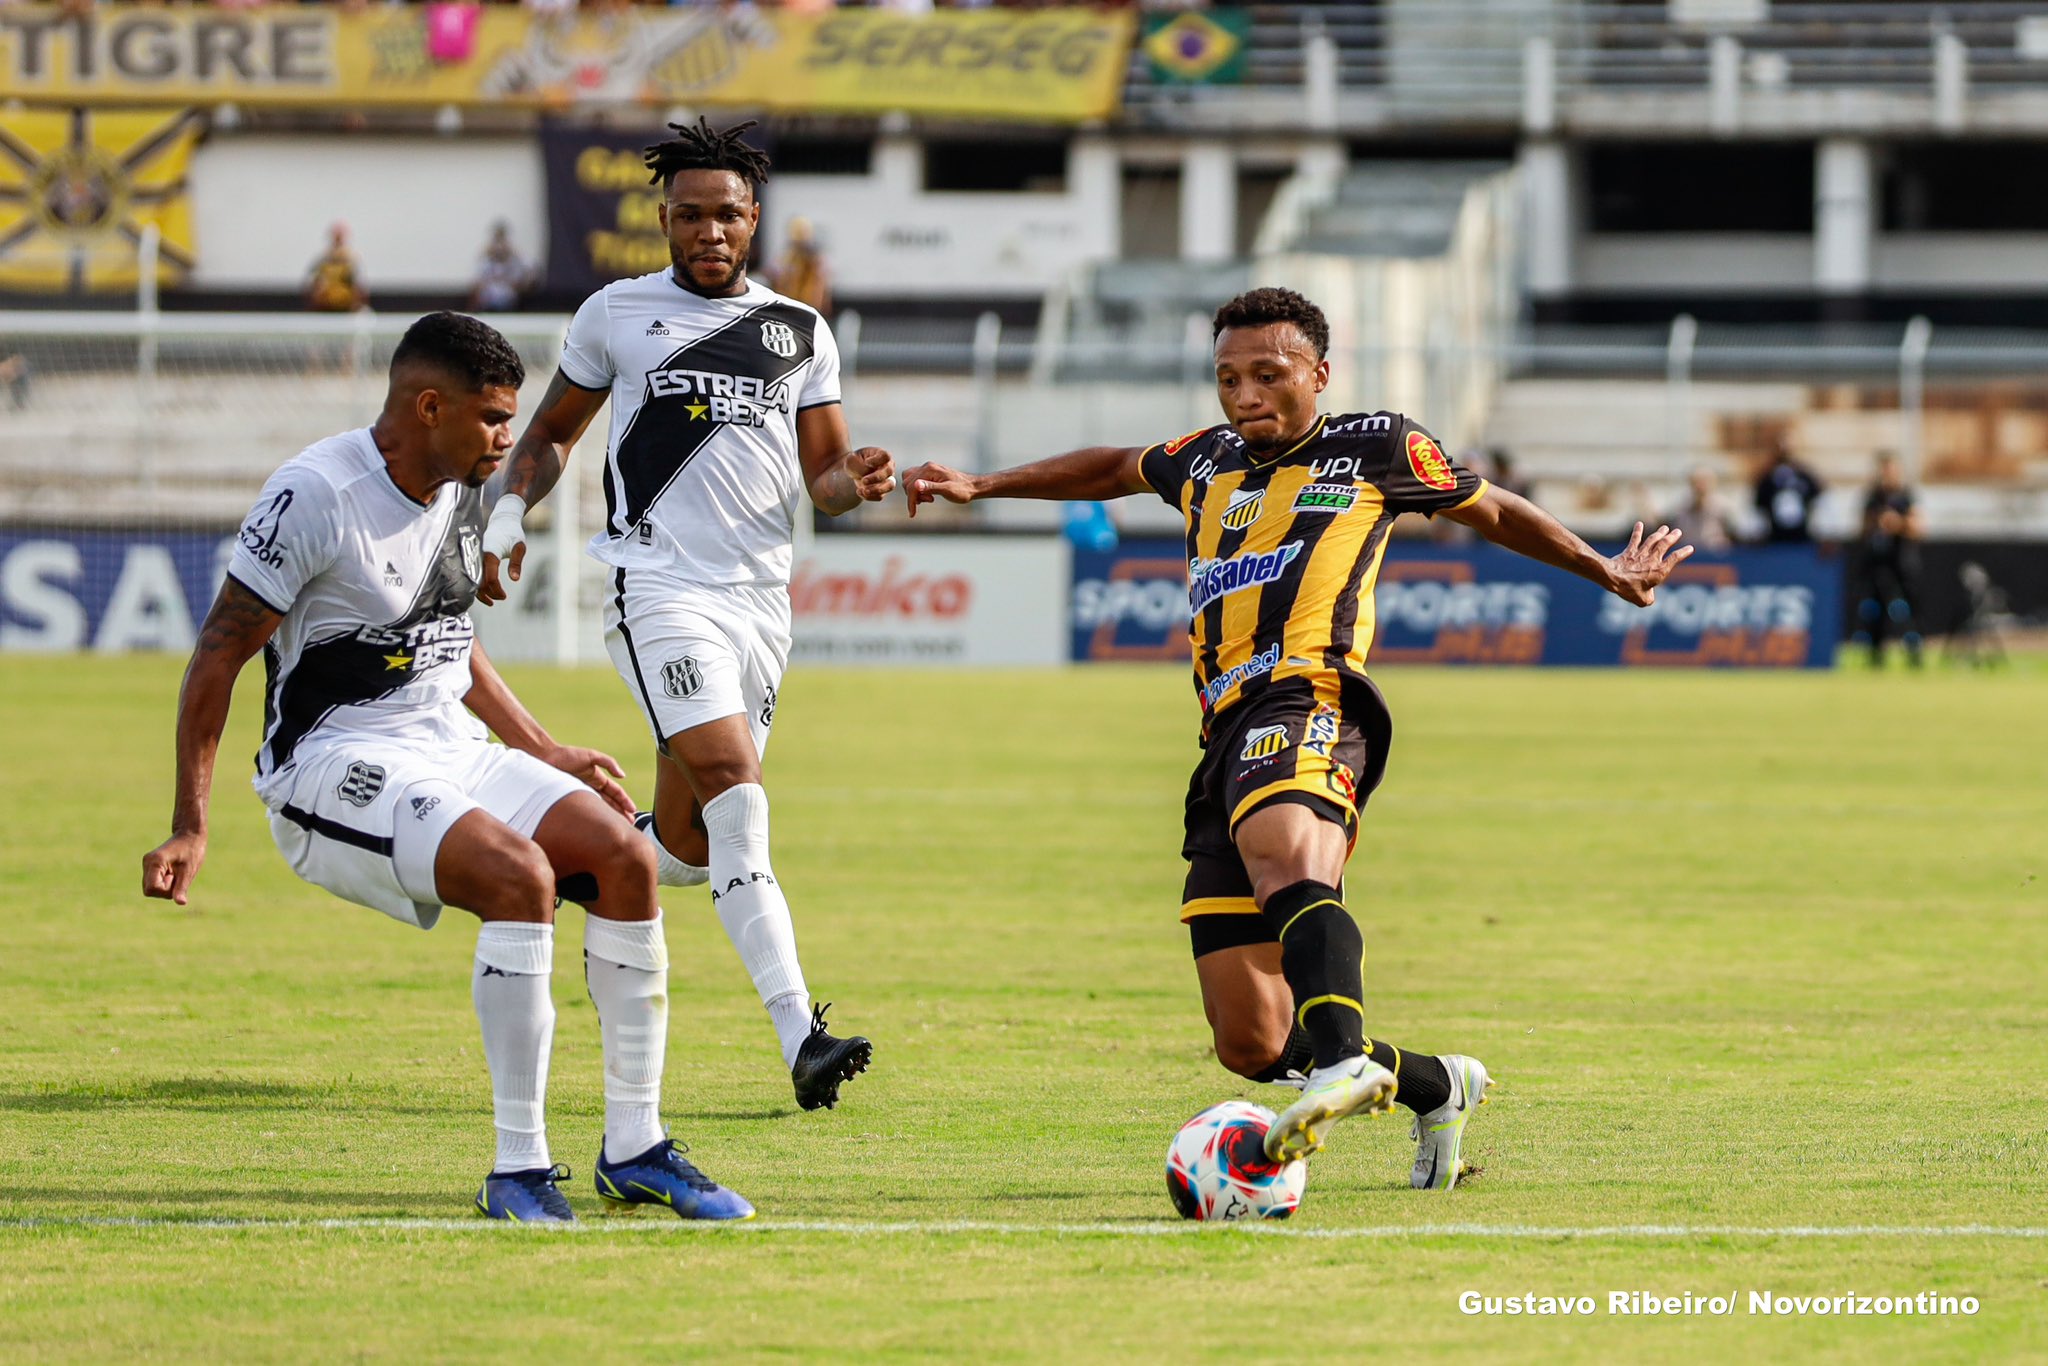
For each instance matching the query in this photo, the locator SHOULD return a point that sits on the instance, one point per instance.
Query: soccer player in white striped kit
(725, 413)
(353, 576)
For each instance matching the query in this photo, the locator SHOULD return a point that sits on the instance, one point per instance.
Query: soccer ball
(1217, 1168)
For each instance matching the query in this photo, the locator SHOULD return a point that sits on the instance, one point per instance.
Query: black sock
(1322, 956)
(1297, 1056)
(1424, 1082)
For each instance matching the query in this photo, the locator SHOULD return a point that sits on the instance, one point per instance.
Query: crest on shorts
(472, 554)
(779, 338)
(361, 784)
(1263, 743)
(681, 677)
(1321, 735)
(1244, 509)
(1429, 464)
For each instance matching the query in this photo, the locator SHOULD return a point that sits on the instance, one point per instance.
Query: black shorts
(1321, 743)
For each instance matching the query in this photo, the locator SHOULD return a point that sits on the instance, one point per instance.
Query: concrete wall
(1736, 262)
(418, 209)
(885, 233)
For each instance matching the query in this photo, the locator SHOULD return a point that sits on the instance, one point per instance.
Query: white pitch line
(927, 1228)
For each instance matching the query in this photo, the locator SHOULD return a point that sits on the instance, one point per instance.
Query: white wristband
(507, 527)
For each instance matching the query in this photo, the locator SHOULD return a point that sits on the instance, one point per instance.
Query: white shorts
(364, 818)
(692, 653)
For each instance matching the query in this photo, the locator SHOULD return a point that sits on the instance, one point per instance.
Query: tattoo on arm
(237, 626)
(543, 449)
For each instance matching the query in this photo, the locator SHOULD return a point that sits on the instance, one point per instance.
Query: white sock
(626, 965)
(791, 1013)
(510, 988)
(669, 870)
(751, 907)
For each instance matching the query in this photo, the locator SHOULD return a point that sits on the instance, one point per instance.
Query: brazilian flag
(1197, 47)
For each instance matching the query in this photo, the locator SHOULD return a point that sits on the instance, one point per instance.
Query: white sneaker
(1439, 1133)
(1332, 1092)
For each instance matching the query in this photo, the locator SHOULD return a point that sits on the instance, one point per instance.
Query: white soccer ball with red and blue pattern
(1217, 1167)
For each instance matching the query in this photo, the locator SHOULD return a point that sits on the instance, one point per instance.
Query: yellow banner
(1050, 65)
(77, 189)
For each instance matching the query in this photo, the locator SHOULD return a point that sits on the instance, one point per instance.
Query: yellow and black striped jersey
(1283, 549)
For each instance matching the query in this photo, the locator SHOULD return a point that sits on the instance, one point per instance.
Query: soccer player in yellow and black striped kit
(1287, 513)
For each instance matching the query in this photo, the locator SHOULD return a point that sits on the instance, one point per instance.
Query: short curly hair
(464, 348)
(1260, 307)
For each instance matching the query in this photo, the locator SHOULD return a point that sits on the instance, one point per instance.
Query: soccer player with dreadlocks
(725, 412)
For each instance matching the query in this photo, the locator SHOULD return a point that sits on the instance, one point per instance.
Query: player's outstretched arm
(535, 466)
(1510, 520)
(495, 704)
(236, 627)
(839, 479)
(1093, 474)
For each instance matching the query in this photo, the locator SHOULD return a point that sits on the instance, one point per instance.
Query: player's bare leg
(721, 768)
(1251, 1012)
(675, 827)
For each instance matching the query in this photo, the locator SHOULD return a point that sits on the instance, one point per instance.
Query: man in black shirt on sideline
(1888, 575)
(1785, 494)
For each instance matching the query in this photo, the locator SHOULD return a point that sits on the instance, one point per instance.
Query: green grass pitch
(1758, 961)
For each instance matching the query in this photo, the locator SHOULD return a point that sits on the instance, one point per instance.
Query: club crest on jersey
(361, 784)
(472, 554)
(1331, 498)
(1263, 743)
(681, 677)
(779, 338)
(1429, 464)
(1243, 509)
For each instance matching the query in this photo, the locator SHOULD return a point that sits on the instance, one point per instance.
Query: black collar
(1313, 432)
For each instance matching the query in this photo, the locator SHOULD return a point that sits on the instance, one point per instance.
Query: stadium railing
(1509, 62)
(131, 422)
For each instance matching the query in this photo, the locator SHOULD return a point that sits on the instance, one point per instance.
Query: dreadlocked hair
(704, 148)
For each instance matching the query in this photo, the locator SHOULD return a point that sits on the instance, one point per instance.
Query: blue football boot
(531, 1197)
(663, 1176)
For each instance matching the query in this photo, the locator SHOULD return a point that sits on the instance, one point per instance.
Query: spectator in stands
(1705, 514)
(333, 283)
(1785, 494)
(502, 278)
(1503, 473)
(1979, 637)
(1888, 569)
(801, 273)
(14, 373)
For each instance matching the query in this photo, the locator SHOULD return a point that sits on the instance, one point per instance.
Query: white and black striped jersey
(375, 590)
(701, 475)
